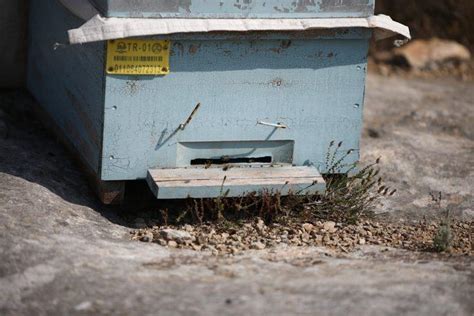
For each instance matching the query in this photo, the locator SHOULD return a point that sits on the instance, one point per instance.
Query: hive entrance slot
(229, 160)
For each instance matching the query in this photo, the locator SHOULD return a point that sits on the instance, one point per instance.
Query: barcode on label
(139, 58)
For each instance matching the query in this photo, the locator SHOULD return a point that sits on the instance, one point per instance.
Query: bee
(226, 167)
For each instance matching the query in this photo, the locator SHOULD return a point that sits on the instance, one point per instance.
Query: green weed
(443, 237)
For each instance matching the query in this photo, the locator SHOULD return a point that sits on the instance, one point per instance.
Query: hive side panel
(315, 86)
(13, 16)
(237, 8)
(67, 81)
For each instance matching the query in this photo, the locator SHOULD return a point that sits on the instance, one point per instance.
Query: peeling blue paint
(237, 8)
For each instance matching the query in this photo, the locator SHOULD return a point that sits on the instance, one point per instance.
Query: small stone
(330, 227)
(248, 226)
(271, 244)
(201, 240)
(260, 224)
(147, 237)
(213, 250)
(188, 228)
(305, 237)
(83, 306)
(162, 242)
(172, 244)
(362, 241)
(221, 247)
(196, 247)
(258, 246)
(237, 238)
(326, 238)
(177, 235)
(308, 227)
(318, 239)
(212, 242)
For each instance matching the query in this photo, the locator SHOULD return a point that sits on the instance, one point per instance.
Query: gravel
(225, 240)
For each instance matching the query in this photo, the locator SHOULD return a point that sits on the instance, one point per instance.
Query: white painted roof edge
(99, 28)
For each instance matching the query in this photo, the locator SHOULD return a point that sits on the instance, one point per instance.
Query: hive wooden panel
(236, 8)
(313, 85)
(67, 81)
(181, 183)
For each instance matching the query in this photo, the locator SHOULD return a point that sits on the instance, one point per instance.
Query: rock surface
(426, 54)
(63, 253)
(423, 132)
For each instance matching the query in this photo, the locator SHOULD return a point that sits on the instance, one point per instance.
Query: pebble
(213, 250)
(330, 227)
(326, 238)
(172, 244)
(176, 235)
(84, 306)
(196, 247)
(188, 228)
(260, 225)
(162, 242)
(258, 245)
(147, 237)
(308, 227)
(237, 238)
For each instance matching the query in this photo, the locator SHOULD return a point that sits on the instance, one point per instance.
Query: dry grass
(443, 237)
(351, 195)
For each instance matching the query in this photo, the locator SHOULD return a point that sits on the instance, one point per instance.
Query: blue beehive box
(185, 93)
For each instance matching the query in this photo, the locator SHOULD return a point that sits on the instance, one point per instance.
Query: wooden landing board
(182, 183)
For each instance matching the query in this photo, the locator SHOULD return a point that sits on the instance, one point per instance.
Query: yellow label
(138, 57)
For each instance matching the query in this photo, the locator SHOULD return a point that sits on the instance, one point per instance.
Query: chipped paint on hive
(347, 6)
(237, 8)
(302, 5)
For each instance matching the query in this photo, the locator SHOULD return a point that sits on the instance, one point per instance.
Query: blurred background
(451, 20)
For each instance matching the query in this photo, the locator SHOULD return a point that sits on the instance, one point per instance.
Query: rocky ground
(233, 240)
(63, 253)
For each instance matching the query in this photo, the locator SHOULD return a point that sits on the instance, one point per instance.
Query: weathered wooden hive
(186, 92)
